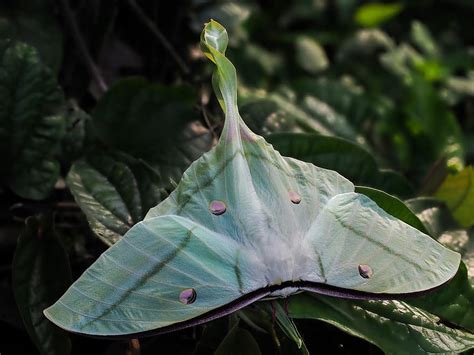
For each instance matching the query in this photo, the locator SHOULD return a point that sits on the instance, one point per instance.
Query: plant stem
(76, 33)
(133, 347)
(160, 36)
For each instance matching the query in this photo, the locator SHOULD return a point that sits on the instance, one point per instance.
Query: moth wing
(144, 281)
(363, 248)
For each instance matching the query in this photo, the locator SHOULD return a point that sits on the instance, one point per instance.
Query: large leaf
(394, 326)
(152, 122)
(458, 193)
(274, 112)
(284, 112)
(238, 342)
(345, 99)
(31, 22)
(364, 44)
(430, 121)
(115, 191)
(41, 274)
(30, 129)
(211, 337)
(345, 157)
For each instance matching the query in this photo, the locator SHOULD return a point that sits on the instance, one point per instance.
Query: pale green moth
(244, 224)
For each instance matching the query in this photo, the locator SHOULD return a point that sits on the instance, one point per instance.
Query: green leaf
(429, 119)
(374, 14)
(273, 113)
(115, 191)
(289, 328)
(211, 336)
(422, 37)
(264, 116)
(41, 274)
(31, 22)
(310, 55)
(453, 303)
(153, 122)
(348, 100)
(268, 113)
(348, 159)
(256, 64)
(364, 44)
(394, 326)
(238, 342)
(458, 193)
(30, 127)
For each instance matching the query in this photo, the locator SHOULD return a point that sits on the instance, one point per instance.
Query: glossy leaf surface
(31, 127)
(394, 326)
(115, 191)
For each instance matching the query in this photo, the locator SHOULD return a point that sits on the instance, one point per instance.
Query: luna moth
(246, 224)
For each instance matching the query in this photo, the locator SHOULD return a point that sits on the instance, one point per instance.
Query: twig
(133, 347)
(157, 33)
(76, 33)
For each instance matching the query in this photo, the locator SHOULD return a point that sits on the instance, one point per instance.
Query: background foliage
(103, 104)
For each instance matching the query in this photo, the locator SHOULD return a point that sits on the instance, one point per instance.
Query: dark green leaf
(264, 117)
(269, 113)
(152, 122)
(238, 342)
(365, 44)
(394, 326)
(211, 336)
(453, 303)
(348, 159)
(289, 327)
(30, 127)
(345, 99)
(284, 112)
(41, 274)
(429, 119)
(115, 191)
(32, 22)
